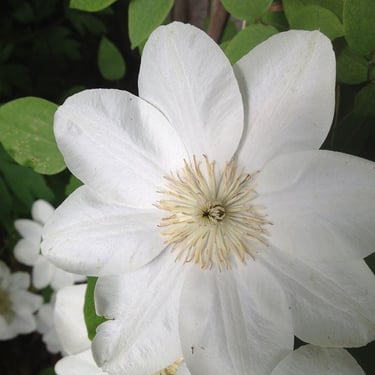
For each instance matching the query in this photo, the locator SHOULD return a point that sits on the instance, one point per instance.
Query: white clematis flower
(27, 250)
(71, 328)
(313, 360)
(17, 305)
(219, 226)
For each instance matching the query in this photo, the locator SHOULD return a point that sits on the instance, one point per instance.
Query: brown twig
(218, 19)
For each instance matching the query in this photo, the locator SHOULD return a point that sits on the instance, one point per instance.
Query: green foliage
(351, 67)
(359, 21)
(364, 104)
(91, 319)
(144, 17)
(314, 17)
(292, 7)
(247, 10)
(110, 61)
(73, 184)
(247, 39)
(275, 19)
(27, 135)
(86, 23)
(23, 182)
(90, 5)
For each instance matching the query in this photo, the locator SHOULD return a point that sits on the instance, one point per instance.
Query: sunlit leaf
(27, 135)
(314, 17)
(144, 17)
(110, 61)
(90, 5)
(359, 23)
(247, 39)
(291, 7)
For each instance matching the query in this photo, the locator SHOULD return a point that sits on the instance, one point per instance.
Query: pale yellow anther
(212, 219)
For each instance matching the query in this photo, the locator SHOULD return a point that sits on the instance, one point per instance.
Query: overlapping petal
(143, 337)
(100, 238)
(332, 305)
(69, 320)
(288, 88)
(41, 211)
(234, 322)
(318, 202)
(313, 360)
(186, 76)
(117, 144)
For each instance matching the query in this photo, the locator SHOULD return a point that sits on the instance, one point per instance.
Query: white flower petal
(61, 279)
(187, 76)
(78, 364)
(69, 320)
(182, 369)
(143, 337)
(118, 144)
(89, 236)
(321, 204)
(288, 86)
(234, 322)
(19, 280)
(313, 360)
(27, 252)
(42, 272)
(332, 306)
(41, 211)
(44, 318)
(29, 229)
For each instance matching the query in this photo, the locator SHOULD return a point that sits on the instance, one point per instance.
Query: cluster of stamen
(212, 218)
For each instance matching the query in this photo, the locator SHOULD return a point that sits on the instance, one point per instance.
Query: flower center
(212, 219)
(170, 370)
(5, 303)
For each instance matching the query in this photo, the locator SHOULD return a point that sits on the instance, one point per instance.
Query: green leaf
(90, 5)
(245, 9)
(86, 22)
(26, 133)
(291, 7)
(247, 39)
(91, 319)
(351, 67)
(314, 17)
(110, 61)
(359, 23)
(229, 32)
(25, 184)
(144, 17)
(364, 104)
(275, 19)
(73, 184)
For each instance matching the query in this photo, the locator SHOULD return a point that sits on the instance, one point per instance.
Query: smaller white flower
(17, 305)
(314, 360)
(45, 325)
(27, 250)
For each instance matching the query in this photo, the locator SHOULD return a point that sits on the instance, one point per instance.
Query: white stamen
(212, 219)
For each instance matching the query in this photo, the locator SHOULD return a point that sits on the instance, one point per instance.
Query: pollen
(211, 219)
